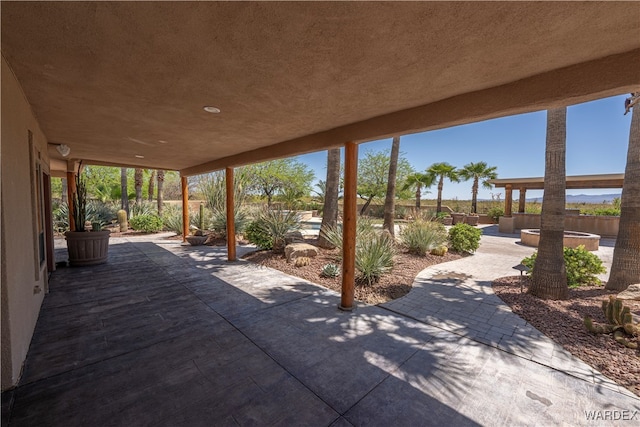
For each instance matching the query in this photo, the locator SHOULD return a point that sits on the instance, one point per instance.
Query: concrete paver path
(170, 335)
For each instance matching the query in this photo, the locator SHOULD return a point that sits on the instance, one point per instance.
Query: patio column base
(347, 309)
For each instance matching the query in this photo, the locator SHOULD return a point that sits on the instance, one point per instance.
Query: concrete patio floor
(173, 335)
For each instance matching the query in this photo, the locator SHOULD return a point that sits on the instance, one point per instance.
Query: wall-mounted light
(63, 149)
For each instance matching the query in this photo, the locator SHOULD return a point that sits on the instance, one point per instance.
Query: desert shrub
(61, 218)
(144, 208)
(612, 211)
(146, 223)
(580, 264)
(330, 270)
(420, 237)
(219, 220)
(172, 218)
(374, 256)
(464, 238)
(256, 234)
(334, 234)
(495, 213)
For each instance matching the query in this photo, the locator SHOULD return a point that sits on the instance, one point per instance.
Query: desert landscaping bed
(562, 321)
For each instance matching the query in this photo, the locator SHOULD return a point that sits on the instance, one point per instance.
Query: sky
(597, 140)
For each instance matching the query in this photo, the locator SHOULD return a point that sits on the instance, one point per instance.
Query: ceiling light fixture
(139, 156)
(162, 141)
(210, 109)
(63, 149)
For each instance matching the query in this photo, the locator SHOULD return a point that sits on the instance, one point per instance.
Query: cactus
(440, 251)
(302, 261)
(620, 322)
(122, 220)
(330, 270)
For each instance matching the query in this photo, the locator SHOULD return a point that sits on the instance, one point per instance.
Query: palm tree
(124, 196)
(625, 268)
(478, 171)
(442, 171)
(390, 198)
(549, 277)
(137, 179)
(418, 181)
(331, 191)
(152, 184)
(160, 190)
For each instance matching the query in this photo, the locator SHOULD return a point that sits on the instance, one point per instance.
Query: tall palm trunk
(390, 199)
(474, 196)
(160, 191)
(330, 209)
(152, 184)
(63, 194)
(625, 268)
(549, 278)
(137, 178)
(124, 196)
(418, 196)
(440, 186)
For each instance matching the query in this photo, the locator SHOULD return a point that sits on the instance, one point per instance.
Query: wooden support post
(231, 226)
(349, 226)
(522, 200)
(71, 189)
(508, 199)
(185, 208)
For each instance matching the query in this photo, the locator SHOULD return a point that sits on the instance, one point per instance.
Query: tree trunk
(137, 179)
(625, 268)
(330, 209)
(390, 199)
(549, 277)
(440, 186)
(364, 208)
(63, 194)
(160, 191)
(418, 196)
(152, 182)
(124, 197)
(474, 196)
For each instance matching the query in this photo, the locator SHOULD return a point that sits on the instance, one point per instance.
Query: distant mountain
(584, 198)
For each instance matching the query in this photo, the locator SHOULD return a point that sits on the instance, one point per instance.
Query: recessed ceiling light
(139, 156)
(213, 110)
(162, 141)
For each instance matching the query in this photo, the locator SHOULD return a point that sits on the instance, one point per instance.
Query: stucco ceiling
(120, 79)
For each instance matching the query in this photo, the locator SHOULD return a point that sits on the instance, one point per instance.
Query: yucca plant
(219, 220)
(420, 237)
(172, 219)
(374, 256)
(277, 223)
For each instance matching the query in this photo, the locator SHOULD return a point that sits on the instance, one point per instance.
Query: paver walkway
(167, 335)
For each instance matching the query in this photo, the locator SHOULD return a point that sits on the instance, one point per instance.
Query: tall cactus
(122, 220)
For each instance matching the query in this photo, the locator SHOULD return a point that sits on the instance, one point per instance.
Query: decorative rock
(295, 250)
(631, 293)
(293, 237)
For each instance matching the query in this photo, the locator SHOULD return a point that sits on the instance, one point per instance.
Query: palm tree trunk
(625, 268)
(440, 186)
(137, 179)
(124, 197)
(474, 196)
(390, 199)
(152, 182)
(549, 277)
(160, 191)
(418, 197)
(330, 209)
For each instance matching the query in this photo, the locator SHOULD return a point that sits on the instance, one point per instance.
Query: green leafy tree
(418, 181)
(440, 171)
(480, 173)
(373, 171)
(287, 177)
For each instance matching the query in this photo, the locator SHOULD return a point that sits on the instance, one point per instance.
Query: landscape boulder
(631, 293)
(293, 237)
(295, 250)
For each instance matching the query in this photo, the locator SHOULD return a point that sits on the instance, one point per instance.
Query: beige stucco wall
(20, 304)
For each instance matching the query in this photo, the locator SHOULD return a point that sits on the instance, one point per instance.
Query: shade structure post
(185, 208)
(508, 199)
(71, 189)
(231, 226)
(349, 219)
(522, 200)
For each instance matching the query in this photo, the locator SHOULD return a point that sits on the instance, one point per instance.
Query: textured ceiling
(120, 79)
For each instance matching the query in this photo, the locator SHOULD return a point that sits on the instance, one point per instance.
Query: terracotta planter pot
(87, 247)
(472, 220)
(447, 220)
(457, 218)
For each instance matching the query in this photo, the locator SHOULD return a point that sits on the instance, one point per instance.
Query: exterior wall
(605, 226)
(23, 280)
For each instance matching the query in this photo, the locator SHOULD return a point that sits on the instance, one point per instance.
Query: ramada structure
(127, 83)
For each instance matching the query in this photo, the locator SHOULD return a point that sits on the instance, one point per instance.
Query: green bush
(420, 237)
(495, 213)
(374, 256)
(258, 235)
(580, 264)
(146, 223)
(612, 211)
(464, 238)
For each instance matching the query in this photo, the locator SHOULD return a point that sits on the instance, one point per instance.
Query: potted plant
(85, 247)
(444, 218)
